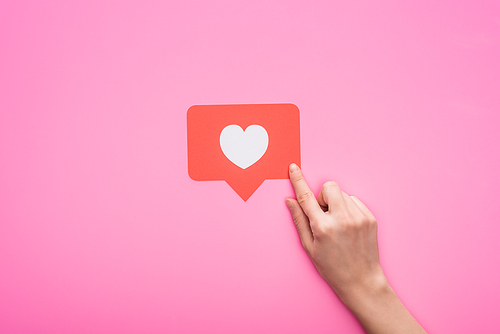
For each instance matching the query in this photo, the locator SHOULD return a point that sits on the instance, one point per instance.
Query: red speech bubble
(242, 144)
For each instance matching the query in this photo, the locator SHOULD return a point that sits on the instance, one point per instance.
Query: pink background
(103, 231)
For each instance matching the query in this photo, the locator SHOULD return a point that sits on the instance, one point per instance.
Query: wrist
(378, 308)
(365, 294)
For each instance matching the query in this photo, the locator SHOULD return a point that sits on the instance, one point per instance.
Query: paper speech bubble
(242, 144)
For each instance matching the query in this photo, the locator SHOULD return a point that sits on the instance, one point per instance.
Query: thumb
(301, 222)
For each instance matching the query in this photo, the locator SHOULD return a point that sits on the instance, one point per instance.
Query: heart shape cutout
(244, 148)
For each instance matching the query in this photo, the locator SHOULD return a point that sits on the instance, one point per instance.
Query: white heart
(244, 148)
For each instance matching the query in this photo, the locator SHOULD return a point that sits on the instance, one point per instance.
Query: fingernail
(293, 168)
(289, 204)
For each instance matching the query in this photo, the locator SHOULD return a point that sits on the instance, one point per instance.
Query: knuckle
(320, 230)
(305, 197)
(353, 226)
(330, 184)
(372, 222)
(297, 219)
(323, 229)
(345, 218)
(298, 177)
(345, 222)
(365, 221)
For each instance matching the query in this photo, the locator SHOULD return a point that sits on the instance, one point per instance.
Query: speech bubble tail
(244, 188)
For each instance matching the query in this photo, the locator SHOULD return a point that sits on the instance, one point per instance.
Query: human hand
(339, 234)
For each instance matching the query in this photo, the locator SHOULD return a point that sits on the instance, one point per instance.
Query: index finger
(305, 197)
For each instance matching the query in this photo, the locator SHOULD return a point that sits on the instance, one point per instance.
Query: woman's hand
(339, 234)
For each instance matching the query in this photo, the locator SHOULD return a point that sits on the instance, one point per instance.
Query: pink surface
(103, 231)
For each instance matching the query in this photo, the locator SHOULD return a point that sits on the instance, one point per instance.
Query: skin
(339, 234)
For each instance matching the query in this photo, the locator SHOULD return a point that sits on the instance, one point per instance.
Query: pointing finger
(305, 197)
